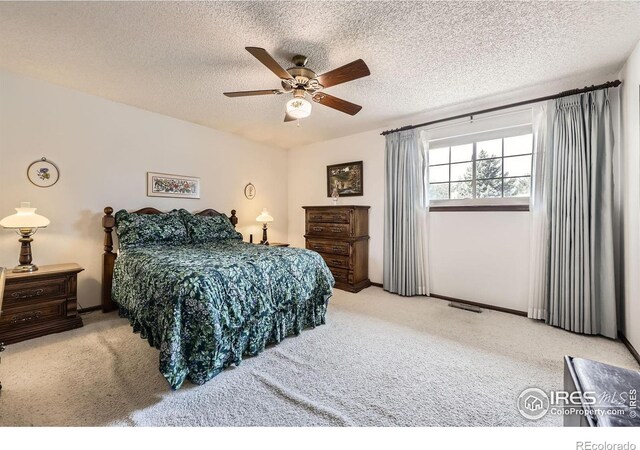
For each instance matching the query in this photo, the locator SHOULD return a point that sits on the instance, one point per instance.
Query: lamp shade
(264, 217)
(298, 108)
(25, 217)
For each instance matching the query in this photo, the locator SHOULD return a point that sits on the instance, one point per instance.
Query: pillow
(208, 228)
(139, 230)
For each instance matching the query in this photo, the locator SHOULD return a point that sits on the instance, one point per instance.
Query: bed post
(108, 260)
(233, 218)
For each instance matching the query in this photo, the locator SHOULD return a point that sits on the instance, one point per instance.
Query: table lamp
(26, 222)
(264, 218)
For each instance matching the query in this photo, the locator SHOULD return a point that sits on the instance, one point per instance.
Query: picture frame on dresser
(347, 178)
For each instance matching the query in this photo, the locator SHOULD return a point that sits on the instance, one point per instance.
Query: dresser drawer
(335, 216)
(337, 260)
(341, 275)
(325, 246)
(34, 290)
(34, 312)
(332, 229)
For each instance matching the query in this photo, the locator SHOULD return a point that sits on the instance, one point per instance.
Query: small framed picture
(43, 173)
(175, 186)
(250, 191)
(346, 178)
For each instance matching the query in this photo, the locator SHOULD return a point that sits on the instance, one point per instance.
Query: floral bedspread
(206, 305)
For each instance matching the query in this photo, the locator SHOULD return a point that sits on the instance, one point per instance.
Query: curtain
(573, 274)
(539, 247)
(405, 259)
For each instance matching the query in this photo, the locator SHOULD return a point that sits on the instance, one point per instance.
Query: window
(491, 167)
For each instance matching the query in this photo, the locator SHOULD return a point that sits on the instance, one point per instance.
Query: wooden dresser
(341, 235)
(39, 303)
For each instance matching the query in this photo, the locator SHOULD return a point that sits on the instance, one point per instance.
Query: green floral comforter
(206, 305)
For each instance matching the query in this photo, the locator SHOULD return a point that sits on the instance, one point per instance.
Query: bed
(190, 286)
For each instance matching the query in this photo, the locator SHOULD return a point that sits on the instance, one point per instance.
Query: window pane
(460, 153)
(462, 171)
(489, 168)
(489, 149)
(518, 145)
(462, 190)
(488, 188)
(439, 156)
(439, 191)
(438, 174)
(517, 187)
(516, 166)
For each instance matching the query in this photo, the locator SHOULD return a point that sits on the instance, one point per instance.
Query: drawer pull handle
(26, 317)
(336, 230)
(335, 261)
(27, 294)
(316, 228)
(337, 249)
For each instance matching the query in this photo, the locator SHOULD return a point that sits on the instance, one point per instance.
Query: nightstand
(39, 303)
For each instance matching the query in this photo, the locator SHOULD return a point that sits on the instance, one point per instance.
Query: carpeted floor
(381, 360)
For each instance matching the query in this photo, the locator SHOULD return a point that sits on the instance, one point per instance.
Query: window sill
(479, 208)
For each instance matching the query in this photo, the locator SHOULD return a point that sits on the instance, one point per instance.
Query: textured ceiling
(178, 58)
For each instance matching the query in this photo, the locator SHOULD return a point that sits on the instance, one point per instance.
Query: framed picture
(167, 185)
(43, 173)
(347, 178)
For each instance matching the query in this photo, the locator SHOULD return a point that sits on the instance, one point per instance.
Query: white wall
(630, 75)
(103, 150)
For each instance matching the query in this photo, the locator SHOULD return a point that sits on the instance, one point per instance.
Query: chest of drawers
(39, 303)
(341, 235)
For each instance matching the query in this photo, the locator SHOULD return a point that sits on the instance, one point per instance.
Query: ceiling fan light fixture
(298, 108)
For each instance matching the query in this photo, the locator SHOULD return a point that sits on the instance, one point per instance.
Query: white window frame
(473, 138)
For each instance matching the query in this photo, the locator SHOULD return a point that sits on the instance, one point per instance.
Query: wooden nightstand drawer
(33, 290)
(329, 229)
(341, 261)
(326, 246)
(33, 312)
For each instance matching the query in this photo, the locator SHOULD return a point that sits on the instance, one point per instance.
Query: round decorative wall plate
(43, 173)
(250, 191)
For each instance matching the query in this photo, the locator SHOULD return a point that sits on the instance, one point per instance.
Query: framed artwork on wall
(175, 186)
(43, 173)
(346, 178)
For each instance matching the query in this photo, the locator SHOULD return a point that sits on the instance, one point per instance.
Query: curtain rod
(606, 85)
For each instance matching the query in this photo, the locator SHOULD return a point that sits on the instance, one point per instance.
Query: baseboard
(630, 347)
(480, 305)
(89, 309)
(469, 302)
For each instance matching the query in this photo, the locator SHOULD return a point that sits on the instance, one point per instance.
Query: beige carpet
(380, 360)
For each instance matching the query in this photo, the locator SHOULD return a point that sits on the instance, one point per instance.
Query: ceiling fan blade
(288, 118)
(248, 93)
(352, 71)
(266, 59)
(337, 103)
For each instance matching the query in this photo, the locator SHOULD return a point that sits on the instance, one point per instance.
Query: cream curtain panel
(573, 266)
(405, 260)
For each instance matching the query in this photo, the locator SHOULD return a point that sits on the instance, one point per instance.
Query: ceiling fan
(302, 81)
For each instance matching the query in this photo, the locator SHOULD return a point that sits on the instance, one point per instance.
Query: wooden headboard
(109, 257)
